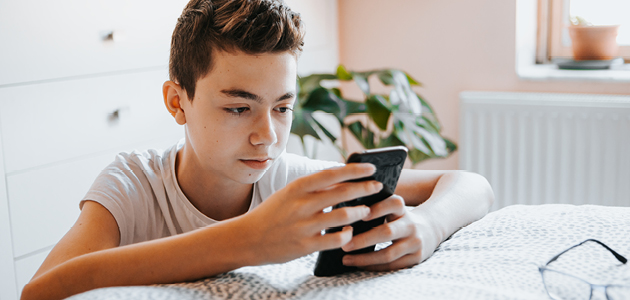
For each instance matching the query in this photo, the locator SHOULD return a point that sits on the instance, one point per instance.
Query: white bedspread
(493, 258)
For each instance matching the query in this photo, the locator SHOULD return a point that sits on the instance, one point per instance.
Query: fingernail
(378, 186)
(367, 218)
(369, 167)
(347, 260)
(367, 212)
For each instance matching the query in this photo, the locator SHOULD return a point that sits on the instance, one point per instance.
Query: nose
(263, 132)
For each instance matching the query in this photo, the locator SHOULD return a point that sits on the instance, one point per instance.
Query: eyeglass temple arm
(618, 256)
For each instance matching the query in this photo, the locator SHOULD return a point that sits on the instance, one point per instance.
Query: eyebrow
(238, 93)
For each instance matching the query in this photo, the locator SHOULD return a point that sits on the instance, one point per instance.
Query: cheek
(283, 129)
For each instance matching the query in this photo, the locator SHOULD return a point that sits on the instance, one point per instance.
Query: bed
(496, 257)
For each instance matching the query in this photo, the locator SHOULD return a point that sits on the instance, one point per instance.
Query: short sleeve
(121, 189)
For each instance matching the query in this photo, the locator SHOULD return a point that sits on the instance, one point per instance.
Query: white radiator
(548, 148)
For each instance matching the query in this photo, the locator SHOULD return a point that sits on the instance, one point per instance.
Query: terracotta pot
(594, 42)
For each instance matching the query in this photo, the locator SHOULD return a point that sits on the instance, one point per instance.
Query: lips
(257, 163)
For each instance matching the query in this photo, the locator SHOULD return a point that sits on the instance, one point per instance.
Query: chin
(252, 176)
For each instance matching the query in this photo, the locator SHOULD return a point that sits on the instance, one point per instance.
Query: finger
(340, 217)
(406, 261)
(325, 178)
(393, 207)
(385, 256)
(389, 231)
(332, 240)
(343, 192)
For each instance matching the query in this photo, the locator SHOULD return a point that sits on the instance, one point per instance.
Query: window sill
(527, 69)
(618, 73)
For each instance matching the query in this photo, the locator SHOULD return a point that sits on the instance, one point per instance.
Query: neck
(217, 197)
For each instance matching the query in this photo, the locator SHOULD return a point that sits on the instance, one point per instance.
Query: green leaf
(343, 74)
(417, 156)
(325, 131)
(378, 111)
(362, 134)
(302, 124)
(430, 124)
(425, 104)
(362, 82)
(419, 131)
(386, 77)
(353, 107)
(389, 141)
(336, 91)
(450, 145)
(309, 83)
(324, 100)
(412, 81)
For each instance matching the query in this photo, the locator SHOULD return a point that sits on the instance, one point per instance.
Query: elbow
(36, 290)
(481, 186)
(28, 292)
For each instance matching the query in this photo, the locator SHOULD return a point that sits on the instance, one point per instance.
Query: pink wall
(448, 45)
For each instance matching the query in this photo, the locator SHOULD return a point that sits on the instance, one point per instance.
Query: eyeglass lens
(618, 292)
(564, 287)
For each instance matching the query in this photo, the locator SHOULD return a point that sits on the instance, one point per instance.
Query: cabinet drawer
(52, 122)
(44, 203)
(26, 267)
(53, 39)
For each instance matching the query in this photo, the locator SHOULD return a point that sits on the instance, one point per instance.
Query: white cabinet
(56, 138)
(71, 98)
(43, 39)
(78, 117)
(81, 81)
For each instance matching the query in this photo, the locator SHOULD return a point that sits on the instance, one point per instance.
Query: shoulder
(128, 186)
(141, 164)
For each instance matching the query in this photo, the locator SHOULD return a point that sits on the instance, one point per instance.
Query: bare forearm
(198, 254)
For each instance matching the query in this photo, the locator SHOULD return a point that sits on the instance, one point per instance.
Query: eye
(236, 110)
(284, 109)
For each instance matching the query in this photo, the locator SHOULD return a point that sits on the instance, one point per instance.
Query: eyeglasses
(563, 286)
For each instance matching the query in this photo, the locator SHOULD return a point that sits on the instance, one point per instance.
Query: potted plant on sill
(400, 118)
(590, 42)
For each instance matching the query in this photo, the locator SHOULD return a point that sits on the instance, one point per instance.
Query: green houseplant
(400, 118)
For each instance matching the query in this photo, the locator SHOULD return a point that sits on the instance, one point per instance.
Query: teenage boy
(229, 195)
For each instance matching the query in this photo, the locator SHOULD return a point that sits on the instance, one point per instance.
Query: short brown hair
(251, 26)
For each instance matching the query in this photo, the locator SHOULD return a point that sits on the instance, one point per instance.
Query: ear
(173, 97)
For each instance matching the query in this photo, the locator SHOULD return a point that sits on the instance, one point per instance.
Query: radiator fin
(537, 148)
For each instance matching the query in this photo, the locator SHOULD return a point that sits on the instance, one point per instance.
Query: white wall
(321, 55)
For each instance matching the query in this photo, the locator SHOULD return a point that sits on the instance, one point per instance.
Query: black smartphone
(389, 162)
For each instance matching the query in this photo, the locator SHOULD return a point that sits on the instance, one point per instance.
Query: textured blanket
(493, 258)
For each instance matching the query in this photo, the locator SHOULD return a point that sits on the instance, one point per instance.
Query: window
(554, 17)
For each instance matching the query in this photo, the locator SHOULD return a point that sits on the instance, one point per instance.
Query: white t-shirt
(141, 191)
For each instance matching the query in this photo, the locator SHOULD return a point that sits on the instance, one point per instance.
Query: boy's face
(240, 118)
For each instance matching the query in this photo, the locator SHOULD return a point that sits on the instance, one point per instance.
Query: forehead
(253, 71)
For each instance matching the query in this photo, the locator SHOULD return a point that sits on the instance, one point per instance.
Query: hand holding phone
(389, 162)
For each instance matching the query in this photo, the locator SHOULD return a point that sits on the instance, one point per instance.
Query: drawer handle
(108, 36)
(114, 116)
(112, 36)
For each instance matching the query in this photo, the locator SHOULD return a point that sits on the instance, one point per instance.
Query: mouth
(257, 163)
